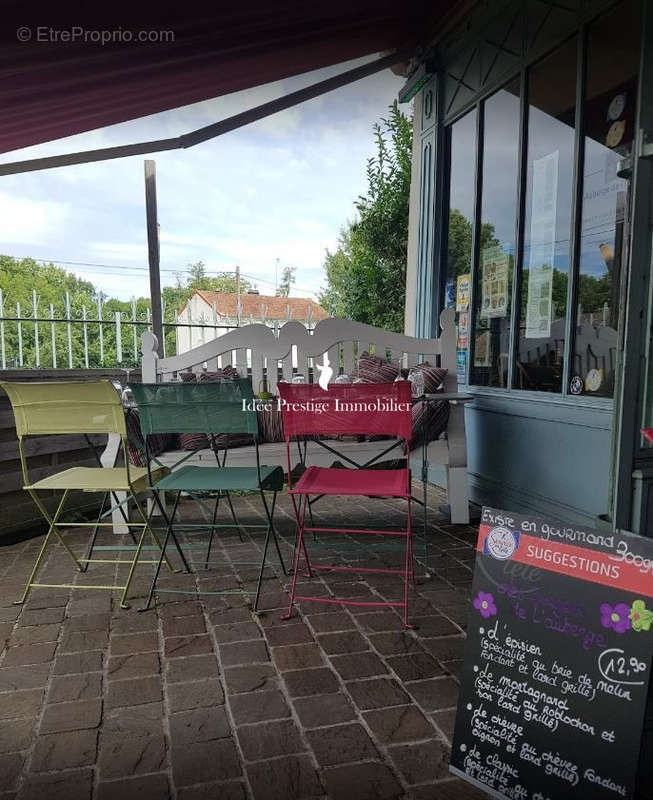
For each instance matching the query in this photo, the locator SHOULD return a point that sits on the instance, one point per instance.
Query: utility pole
(238, 308)
(276, 276)
(153, 250)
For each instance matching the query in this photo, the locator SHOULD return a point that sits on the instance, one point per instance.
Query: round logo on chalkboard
(501, 543)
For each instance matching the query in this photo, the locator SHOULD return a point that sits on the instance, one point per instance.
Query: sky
(281, 188)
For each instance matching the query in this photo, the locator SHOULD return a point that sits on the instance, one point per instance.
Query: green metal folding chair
(54, 408)
(219, 407)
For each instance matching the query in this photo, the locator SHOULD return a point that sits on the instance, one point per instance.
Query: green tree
(195, 277)
(366, 273)
(18, 279)
(287, 280)
(459, 243)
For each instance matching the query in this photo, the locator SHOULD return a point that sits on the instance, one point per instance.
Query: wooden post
(153, 250)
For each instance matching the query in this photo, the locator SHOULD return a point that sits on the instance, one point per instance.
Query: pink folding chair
(372, 408)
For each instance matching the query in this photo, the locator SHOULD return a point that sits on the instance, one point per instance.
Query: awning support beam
(210, 131)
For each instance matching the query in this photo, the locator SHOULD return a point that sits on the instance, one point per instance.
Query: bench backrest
(272, 355)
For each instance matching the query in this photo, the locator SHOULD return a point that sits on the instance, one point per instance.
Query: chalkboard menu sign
(557, 661)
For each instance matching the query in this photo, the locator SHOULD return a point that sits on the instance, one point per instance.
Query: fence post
(118, 338)
(2, 331)
(163, 325)
(20, 336)
(37, 350)
(134, 331)
(100, 329)
(176, 332)
(85, 329)
(53, 339)
(69, 331)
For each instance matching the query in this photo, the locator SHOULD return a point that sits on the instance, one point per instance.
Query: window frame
(580, 36)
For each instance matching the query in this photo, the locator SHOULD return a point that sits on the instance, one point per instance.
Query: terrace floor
(201, 699)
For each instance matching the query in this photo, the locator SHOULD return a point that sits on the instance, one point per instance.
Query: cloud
(28, 221)
(280, 188)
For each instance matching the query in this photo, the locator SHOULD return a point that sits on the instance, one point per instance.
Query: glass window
(549, 182)
(493, 281)
(458, 263)
(610, 102)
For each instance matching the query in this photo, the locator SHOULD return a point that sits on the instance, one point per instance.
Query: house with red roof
(207, 315)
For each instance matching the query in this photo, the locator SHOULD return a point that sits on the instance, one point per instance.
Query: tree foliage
(366, 273)
(18, 279)
(287, 281)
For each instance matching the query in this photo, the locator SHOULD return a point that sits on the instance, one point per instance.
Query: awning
(63, 81)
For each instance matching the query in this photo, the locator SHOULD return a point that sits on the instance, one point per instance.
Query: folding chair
(93, 407)
(381, 409)
(212, 407)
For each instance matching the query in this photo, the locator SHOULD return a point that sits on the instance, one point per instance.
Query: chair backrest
(65, 407)
(205, 407)
(346, 408)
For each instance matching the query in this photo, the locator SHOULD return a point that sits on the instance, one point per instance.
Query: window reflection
(549, 179)
(609, 129)
(462, 150)
(494, 273)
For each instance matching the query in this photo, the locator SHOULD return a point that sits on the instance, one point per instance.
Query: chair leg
(234, 517)
(157, 569)
(158, 502)
(46, 514)
(215, 516)
(309, 571)
(119, 508)
(269, 513)
(39, 558)
(298, 548)
(300, 513)
(91, 545)
(408, 567)
(269, 533)
(426, 532)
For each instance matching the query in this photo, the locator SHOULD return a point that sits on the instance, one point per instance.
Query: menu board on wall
(542, 246)
(557, 661)
(494, 282)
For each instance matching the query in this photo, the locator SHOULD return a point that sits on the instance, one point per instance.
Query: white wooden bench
(258, 349)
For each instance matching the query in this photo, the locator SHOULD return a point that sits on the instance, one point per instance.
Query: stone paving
(200, 698)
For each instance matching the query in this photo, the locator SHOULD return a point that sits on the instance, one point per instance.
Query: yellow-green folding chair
(94, 407)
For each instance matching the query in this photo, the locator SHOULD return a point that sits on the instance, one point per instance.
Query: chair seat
(215, 479)
(367, 482)
(99, 479)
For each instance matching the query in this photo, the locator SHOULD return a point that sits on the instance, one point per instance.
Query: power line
(124, 269)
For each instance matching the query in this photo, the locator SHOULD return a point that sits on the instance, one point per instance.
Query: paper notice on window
(542, 247)
(494, 282)
(463, 289)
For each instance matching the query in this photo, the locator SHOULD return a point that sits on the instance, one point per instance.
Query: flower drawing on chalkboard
(484, 604)
(616, 617)
(641, 618)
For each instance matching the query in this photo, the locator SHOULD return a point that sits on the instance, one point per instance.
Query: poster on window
(494, 283)
(463, 331)
(463, 289)
(542, 247)
(450, 293)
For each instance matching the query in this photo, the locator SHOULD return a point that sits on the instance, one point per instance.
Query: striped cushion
(227, 373)
(429, 421)
(158, 443)
(373, 369)
(433, 376)
(199, 441)
(270, 425)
